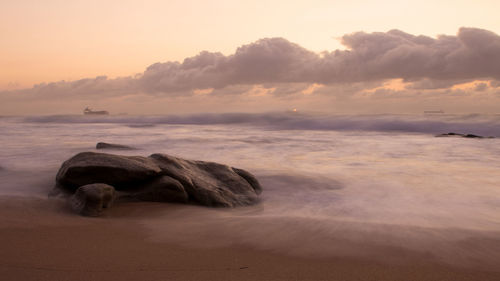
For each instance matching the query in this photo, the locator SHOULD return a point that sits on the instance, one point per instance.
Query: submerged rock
(105, 145)
(159, 177)
(450, 135)
(471, 136)
(92, 199)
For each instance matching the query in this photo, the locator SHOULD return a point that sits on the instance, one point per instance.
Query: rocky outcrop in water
(159, 177)
(470, 136)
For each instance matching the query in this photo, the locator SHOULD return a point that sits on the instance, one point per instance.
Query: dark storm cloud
(423, 62)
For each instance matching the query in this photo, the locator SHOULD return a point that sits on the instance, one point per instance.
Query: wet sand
(41, 239)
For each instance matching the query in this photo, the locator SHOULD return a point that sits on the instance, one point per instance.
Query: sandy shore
(42, 240)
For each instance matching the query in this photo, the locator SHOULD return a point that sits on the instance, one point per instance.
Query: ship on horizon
(88, 111)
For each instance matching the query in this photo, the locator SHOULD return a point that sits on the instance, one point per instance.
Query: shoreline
(42, 240)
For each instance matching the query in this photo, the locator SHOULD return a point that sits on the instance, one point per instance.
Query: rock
(159, 177)
(450, 135)
(104, 145)
(209, 183)
(471, 136)
(161, 189)
(93, 199)
(122, 172)
(250, 179)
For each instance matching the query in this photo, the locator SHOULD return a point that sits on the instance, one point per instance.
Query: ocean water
(334, 185)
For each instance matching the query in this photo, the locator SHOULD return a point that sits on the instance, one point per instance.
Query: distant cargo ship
(88, 111)
(433, 111)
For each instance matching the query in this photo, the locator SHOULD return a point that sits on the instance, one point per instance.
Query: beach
(50, 243)
(250, 140)
(344, 198)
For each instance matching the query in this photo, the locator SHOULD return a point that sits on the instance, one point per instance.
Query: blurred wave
(333, 184)
(487, 125)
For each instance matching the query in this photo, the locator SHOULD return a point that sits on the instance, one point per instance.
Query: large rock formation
(209, 183)
(122, 172)
(159, 177)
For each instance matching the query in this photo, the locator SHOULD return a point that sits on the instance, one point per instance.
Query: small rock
(450, 135)
(471, 136)
(104, 145)
(92, 199)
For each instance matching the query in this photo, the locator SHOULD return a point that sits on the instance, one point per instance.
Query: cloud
(270, 60)
(88, 88)
(428, 62)
(472, 54)
(495, 83)
(480, 87)
(276, 66)
(430, 84)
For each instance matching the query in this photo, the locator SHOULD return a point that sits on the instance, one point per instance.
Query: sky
(158, 57)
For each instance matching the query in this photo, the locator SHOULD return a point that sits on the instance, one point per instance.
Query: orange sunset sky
(156, 57)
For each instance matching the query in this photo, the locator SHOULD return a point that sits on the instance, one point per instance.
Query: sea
(333, 185)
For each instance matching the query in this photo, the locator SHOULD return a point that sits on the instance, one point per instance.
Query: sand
(41, 239)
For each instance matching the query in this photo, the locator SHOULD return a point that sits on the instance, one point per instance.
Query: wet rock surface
(92, 199)
(470, 136)
(159, 178)
(161, 189)
(122, 172)
(105, 145)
